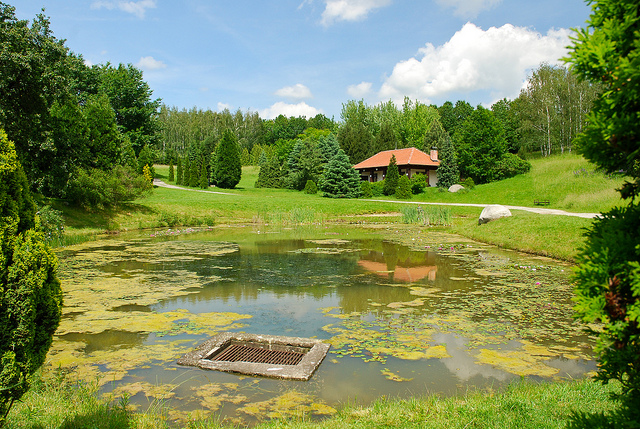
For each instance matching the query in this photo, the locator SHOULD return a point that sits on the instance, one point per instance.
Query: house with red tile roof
(410, 161)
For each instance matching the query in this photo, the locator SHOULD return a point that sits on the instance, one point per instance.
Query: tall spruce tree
(227, 168)
(392, 177)
(340, 179)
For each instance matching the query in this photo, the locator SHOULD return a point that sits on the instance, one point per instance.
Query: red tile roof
(409, 156)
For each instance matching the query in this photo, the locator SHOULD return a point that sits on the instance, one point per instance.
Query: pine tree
(179, 173)
(340, 179)
(227, 168)
(171, 172)
(392, 177)
(448, 173)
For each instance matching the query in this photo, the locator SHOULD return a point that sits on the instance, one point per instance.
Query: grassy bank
(55, 401)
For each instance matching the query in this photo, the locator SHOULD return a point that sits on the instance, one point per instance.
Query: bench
(541, 203)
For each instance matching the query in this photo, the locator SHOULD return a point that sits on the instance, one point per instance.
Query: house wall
(433, 178)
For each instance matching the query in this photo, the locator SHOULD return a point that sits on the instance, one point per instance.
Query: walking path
(539, 210)
(160, 183)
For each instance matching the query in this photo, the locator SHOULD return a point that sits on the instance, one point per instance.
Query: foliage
(448, 173)
(51, 223)
(418, 183)
(226, 165)
(339, 179)
(608, 277)
(392, 177)
(608, 292)
(310, 187)
(403, 191)
(365, 189)
(98, 189)
(171, 177)
(481, 144)
(377, 188)
(30, 293)
(511, 165)
(146, 173)
(468, 183)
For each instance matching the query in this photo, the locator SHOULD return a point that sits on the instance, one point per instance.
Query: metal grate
(247, 353)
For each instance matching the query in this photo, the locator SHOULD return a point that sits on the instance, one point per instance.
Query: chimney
(434, 154)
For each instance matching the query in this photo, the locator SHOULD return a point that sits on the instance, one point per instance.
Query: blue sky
(303, 57)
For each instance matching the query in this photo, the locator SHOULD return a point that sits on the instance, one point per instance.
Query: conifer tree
(392, 177)
(179, 174)
(171, 172)
(204, 178)
(340, 179)
(194, 174)
(269, 175)
(227, 168)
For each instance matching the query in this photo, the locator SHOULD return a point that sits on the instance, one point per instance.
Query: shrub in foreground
(30, 293)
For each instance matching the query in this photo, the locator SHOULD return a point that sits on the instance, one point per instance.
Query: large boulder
(493, 212)
(455, 188)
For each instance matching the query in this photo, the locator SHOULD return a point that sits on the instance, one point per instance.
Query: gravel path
(539, 210)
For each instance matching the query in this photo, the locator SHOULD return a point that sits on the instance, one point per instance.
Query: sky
(304, 57)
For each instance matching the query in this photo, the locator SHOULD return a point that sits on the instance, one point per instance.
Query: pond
(437, 314)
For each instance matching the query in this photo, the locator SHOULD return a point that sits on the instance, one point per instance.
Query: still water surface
(438, 316)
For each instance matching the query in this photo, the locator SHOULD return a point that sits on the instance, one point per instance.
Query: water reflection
(437, 321)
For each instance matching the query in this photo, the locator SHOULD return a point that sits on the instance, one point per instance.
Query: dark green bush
(468, 183)
(377, 188)
(51, 223)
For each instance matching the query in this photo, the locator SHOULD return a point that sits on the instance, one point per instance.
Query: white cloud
(223, 106)
(496, 60)
(137, 8)
(150, 63)
(468, 8)
(360, 90)
(282, 108)
(295, 92)
(350, 10)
